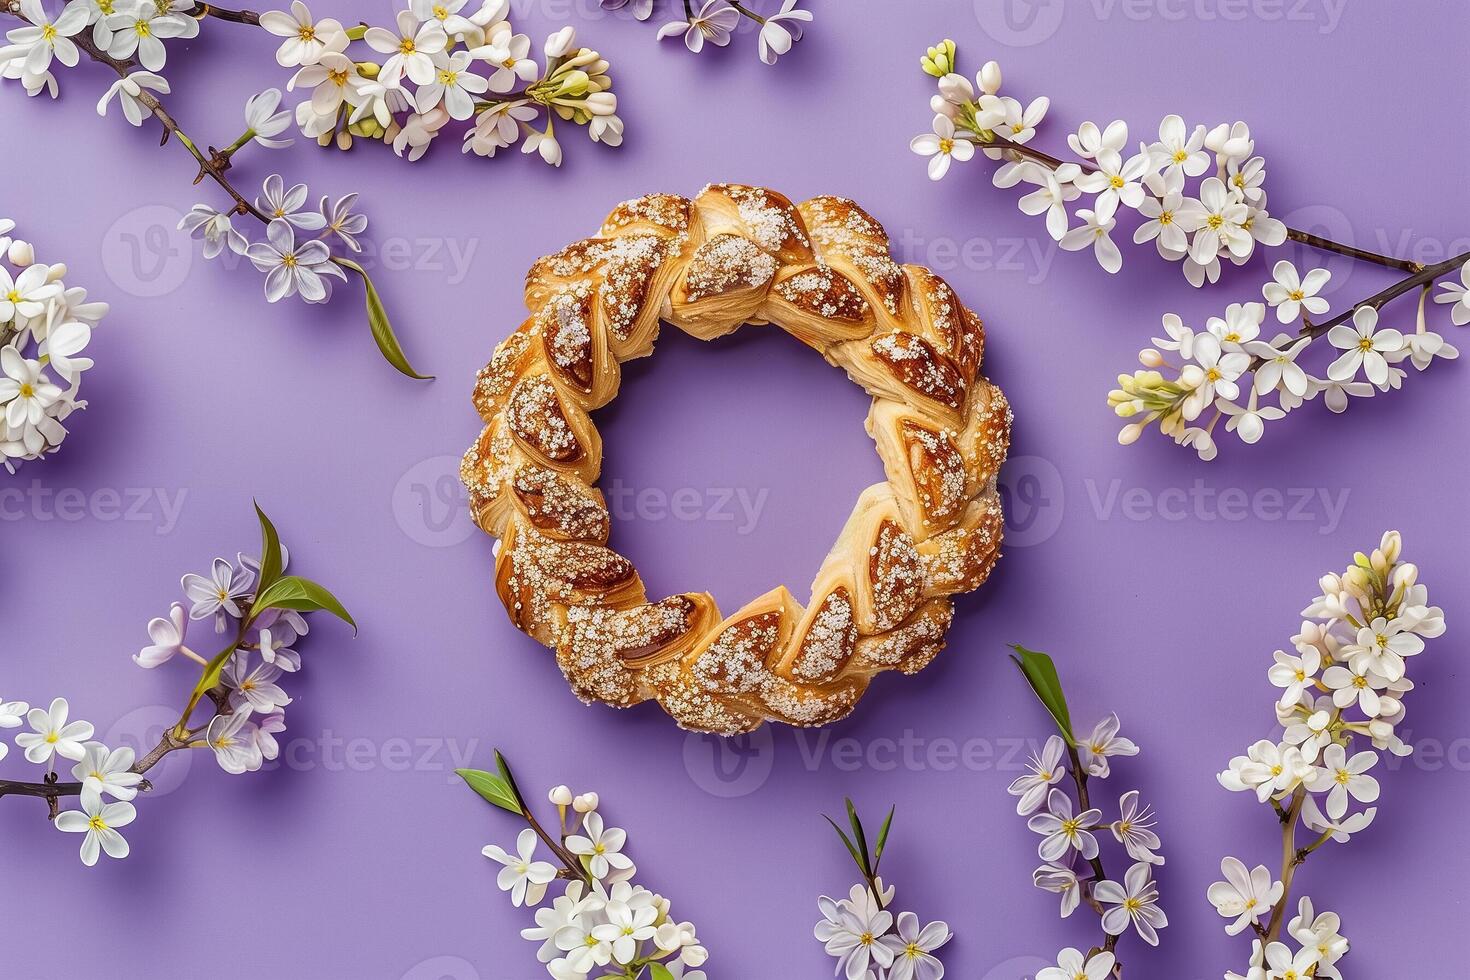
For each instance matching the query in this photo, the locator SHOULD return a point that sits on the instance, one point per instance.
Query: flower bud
(1151, 358)
(21, 253)
(562, 43)
(1130, 433)
(560, 796)
(56, 273)
(1392, 545)
(940, 59)
(989, 78)
(1406, 576)
(585, 803)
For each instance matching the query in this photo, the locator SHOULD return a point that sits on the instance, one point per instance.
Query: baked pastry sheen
(822, 272)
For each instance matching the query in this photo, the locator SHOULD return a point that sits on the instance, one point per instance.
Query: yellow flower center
(1180, 156)
(946, 146)
(48, 33)
(1343, 776)
(1276, 770)
(339, 77)
(1233, 337)
(1215, 221)
(1214, 374)
(1117, 181)
(307, 32)
(1296, 295)
(1301, 675)
(407, 46)
(448, 78)
(1360, 682)
(26, 391)
(1166, 217)
(289, 261)
(52, 738)
(912, 951)
(96, 824)
(440, 11)
(1239, 180)
(1070, 827)
(13, 296)
(1124, 826)
(1132, 904)
(866, 939)
(142, 29)
(1365, 345)
(1250, 903)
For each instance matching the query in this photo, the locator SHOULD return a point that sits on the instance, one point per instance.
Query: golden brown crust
(821, 271)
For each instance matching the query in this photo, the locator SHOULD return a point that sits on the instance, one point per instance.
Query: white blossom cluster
(248, 701)
(1069, 844)
(127, 30)
(443, 61)
(1222, 215)
(291, 266)
(714, 22)
(610, 927)
(870, 943)
(1340, 705)
(1232, 369)
(44, 327)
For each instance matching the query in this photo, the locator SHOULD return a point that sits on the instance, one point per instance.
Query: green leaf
(301, 594)
(510, 780)
(883, 838)
(851, 848)
(492, 788)
(859, 836)
(270, 551)
(657, 971)
(1041, 674)
(382, 329)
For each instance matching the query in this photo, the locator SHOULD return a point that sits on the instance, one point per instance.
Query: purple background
(361, 858)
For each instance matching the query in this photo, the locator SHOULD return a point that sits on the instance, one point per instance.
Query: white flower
(11, 716)
(1135, 902)
(46, 38)
(1257, 969)
(1180, 337)
(167, 636)
(1046, 771)
(1294, 674)
(913, 948)
(1062, 880)
(1364, 346)
(526, 879)
(253, 689)
(333, 81)
(545, 144)
(343, 222)
(1095, 229)
(306, 40)
(232, 738)
(216, 595)
(290, 269)
(1133, 830)
(941, 146)
(606, 129)
(1180, 148)
(216, 229)
(275, 647)
(264, 122)
(1019, 125)
(410, 49)
(1266, 769)
(285, 205)
(1341, 830)
(1051, 198)
(561, 43)
(51, 736)
(1220, 370)
(1167, 223)
(563, 912)
(1335, 393)
(1241, 324)
(1360, 684)
(1230, 142)
(1089, 142)
(1103, 742)
(110, 772)
(128, 91)
(418, 131)
(714, 22)
(1382, 645)
(585, 949)
(1219, 217)
(1061, 831)
(1459, 295)
(266, 730)
(25, 392)
(448, 14)
(509, 53)
(1310, 736)
(780, 30)
(1073, 965)
(1244, 895)
(601, 849)
(851, 929)
(1340, 777)
(1284, 966)
(626, 928)
(1320, 932)
(453, 85)
(99, 821)
(1290, 293)
(27, 294)
(143, 32)
(1278, 365)
(1249, 422)
(1116, 179)
(499, 126)
(1423, 347)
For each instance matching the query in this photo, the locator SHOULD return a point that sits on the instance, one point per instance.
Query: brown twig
(53, 791)
(1079, 779)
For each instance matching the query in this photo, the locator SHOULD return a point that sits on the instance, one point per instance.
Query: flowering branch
(868, 942)
(716, 20)
(263, 610)
(1351, 656)
(129, 36)
(603, 921)
(1068, 831)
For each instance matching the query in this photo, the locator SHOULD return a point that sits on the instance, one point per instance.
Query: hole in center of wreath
(731, 466)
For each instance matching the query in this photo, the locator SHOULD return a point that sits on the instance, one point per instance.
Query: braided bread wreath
(823, 273)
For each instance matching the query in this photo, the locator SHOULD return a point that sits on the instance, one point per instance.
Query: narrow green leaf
(301, 594)
(657, 971)
(382, 329)
(510, 780)
(270, 551)
(883, 838)
(491, 788)
(1041, 674)
(851, 848)
(859, 836)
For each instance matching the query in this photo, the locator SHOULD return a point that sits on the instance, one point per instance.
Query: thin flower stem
(52, 790)
(1290, 858)
(249, 17)
(1079, 779)
(1305, 238)
(569, 860)
(747, 13)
